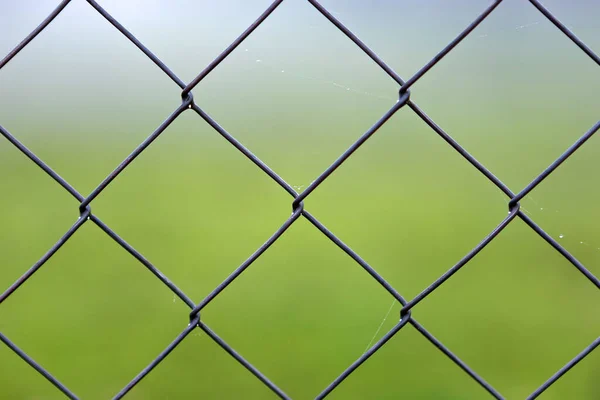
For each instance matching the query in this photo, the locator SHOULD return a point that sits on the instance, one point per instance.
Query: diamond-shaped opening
(297, 94)
(19, 380)
(303, 309)
(509, 313)
(502, 95)
(199, 368)
(194, 205)
(81, 95)
(91, 315)
(566, 203)
(35, 212)
(408, 366)
(186, 35)
(406, 35)
(409, 203)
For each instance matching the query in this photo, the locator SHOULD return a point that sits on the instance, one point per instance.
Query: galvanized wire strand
(565, 369)
(37, 367)
(34, 33)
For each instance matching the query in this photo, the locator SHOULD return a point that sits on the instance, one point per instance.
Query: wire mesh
(405, 318)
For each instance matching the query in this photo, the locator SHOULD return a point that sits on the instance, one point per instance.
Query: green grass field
(304, 311)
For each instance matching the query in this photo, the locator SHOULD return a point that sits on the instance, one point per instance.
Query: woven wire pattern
(405, 318)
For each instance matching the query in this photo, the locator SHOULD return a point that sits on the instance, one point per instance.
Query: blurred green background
(516, 93)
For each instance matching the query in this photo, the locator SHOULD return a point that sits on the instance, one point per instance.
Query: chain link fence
(298, 211)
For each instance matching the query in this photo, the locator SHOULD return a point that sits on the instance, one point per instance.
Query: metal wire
(298, 210)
